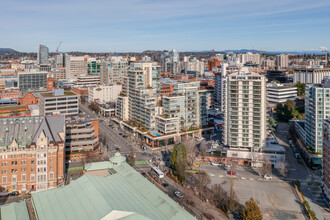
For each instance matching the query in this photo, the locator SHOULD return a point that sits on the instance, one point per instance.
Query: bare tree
(283, 168)
(220, 196)
(131, 158)
(203, 148)
(202, 180)
(266, 166)
(191, 150)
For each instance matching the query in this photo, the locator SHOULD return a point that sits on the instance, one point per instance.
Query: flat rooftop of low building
(50, 94)
(15, 107)
(281, 87)
(273, 148)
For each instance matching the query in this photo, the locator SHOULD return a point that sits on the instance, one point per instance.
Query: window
(14, 179)
(32, 177)
(23, 177)
(4, 179)
(32, 161)
(51, 175)
(51, 167)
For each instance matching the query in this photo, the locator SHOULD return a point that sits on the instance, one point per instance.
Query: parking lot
(275, 197)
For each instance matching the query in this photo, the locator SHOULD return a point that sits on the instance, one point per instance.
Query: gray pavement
(310, 181)
(276, 198)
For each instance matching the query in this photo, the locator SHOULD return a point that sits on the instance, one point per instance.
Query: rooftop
(24, 130)
(50, 94)
(123, 194)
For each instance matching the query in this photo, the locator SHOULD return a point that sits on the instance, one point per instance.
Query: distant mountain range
(317, 52)
(7, 50)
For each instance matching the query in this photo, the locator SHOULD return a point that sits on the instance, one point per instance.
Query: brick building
(213, 63)
(10, 94)
(50, 83)
(31, 153)
(166, 89)
(29, 99)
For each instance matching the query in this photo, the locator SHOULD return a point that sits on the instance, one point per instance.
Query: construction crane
(58, 48)
(325, 50)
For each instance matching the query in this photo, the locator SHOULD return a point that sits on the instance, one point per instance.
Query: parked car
(300, 160)
(165, 185)
(15, 193)
(200, 139)
(268, 177)
(144, 174)
(297, 155)
(232, 173)
(178, 194)
(120, 134)
(227, 166)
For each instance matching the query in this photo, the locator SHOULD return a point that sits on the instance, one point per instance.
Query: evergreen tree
(251, 211)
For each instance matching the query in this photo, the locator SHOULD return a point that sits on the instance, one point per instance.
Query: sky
(184, 25)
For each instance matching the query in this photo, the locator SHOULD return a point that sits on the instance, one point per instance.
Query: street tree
(251, 211)
(131, 158)
(266, 166)
(272, 123)
(300, 88)
(283, 168)
(202, 180)
(283, 112)
(220, 196)
(178, 161)
(192, 150)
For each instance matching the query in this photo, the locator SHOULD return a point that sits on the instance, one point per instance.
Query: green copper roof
(93, 197)
(15, 211)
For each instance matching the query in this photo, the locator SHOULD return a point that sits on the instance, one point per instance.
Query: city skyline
(185, 25)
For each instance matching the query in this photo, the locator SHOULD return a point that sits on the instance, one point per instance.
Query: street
(310, 180)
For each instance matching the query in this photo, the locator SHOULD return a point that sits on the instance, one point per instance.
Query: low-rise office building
(32, 80)
(104, 93)
(89, 80)
(277, 93)
(58, 102)
(310, 75)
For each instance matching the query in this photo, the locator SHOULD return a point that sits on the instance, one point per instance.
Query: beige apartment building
(245, 111)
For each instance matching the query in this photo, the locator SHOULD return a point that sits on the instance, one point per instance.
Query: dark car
(144, 174)
(15, 193)
(120, 134)
(300, 161)
(165, 185)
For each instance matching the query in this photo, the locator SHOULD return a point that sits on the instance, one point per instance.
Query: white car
(268, 177)
(215, 164)
(227, 166)
(200, 139)
(178, 194)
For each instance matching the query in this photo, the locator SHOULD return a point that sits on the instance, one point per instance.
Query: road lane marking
(266, 199)
(259, 197)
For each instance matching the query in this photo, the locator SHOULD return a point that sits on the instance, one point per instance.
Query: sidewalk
(308, 197)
